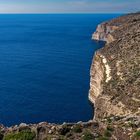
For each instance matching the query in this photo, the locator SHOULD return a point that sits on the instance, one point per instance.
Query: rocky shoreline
(108, 128)
(114, 91)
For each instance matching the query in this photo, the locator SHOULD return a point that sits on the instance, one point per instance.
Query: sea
(45, 64)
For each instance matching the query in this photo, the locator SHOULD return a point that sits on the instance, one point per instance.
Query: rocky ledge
(114, 91)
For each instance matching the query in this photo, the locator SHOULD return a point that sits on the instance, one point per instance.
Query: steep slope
(115, 71)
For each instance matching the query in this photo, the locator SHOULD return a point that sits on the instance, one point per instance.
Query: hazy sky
(69, 6)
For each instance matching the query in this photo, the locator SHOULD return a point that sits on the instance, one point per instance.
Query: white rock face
(97, 75)
(103, 33)
(107, 69)
(23, 125)
(100, 70)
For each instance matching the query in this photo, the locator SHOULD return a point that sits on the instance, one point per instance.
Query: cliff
(115, 71)
(103, 32)
(114, 91)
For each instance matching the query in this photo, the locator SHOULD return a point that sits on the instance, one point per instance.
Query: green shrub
(109, 120)
(87, 136)
(107, 133)
(137, 134)
(109, 128)
(64, 130)
(23, 135)
(1, 136)
(131, 124)
(102, 138)
(69, 134)
(77, 129)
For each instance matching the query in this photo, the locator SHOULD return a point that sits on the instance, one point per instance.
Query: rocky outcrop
(48, 131)
(103, 32)
(110, 128)
(115, 70)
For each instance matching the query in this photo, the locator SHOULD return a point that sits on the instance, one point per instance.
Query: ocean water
(44, 66)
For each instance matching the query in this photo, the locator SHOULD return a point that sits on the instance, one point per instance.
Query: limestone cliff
(115, 71)
(103, 32)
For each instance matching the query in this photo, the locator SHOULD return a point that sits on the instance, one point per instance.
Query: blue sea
(45, 65)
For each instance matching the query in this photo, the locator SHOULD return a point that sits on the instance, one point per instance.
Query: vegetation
(107, 133)
(109, 128)
(131, 124)
(64, 130)
(137, 134)
(77, 129)
(109, 120)
(102, 138)
(23, 135)
(87, 136)
(1, 136)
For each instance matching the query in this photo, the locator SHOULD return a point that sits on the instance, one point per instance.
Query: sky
(69, 6)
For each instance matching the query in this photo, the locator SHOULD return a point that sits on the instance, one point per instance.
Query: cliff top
(115, 71)
(123, 55)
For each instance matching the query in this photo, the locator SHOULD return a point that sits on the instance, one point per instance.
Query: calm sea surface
(44, 67)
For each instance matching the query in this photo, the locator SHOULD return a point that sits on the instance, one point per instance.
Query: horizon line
(70, 13)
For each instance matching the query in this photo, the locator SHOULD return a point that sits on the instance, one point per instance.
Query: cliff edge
(115, 71)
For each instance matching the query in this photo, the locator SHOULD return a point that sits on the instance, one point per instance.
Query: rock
(43, 123)
(50, 132)
(96, 135)
(53, 128)
(22, 125)
(137, 123)
(95, 125)
(41, 129)
(64, 130)
(80, 122)
(64, 123)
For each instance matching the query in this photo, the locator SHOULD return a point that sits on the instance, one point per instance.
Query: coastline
(108, 78)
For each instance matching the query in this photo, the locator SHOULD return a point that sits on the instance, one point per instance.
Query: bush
(102, 138)
(77, 129)
(109, 120)
(109, 128)
(131, 124)
(107, 133)
(137, 134)
(87, 136)
(23, 135)
(1, 136)
(69, 134)
(64, 130)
